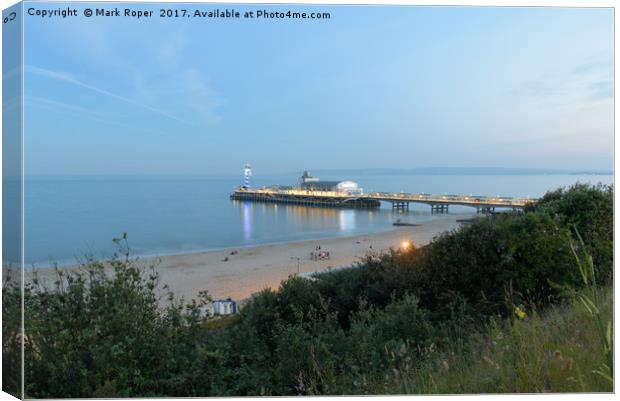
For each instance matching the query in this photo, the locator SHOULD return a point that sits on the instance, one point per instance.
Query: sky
(370, 87)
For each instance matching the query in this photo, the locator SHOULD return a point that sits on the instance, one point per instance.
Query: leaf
(608, 334)
(581, 298)
(604, 375)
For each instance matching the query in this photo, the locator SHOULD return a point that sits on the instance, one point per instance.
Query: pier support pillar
(439, 208)
(400, 206)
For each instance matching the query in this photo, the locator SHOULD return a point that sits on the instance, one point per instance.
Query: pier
(347, 194)
(399, 201)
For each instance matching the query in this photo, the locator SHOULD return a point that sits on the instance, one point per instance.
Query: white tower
(247, 173)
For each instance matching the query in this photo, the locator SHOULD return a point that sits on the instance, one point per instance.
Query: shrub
(11, 332)
(96, 333)
(588, 208)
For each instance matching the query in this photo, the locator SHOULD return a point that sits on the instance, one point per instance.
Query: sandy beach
(240, 272)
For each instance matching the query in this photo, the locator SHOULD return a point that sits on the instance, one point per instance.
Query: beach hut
(219, 307)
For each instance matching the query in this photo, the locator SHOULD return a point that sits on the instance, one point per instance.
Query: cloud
(63, 77)
(545, 85)
(602, 89)
(583, 84)
(83, 112)
(174, 83)
(64, 106)
(186, 92)
(595, 65)
(158, 69)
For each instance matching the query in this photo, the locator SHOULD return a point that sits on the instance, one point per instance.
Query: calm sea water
(68, 218)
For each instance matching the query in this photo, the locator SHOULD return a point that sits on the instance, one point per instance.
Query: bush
(588, 209)
(105, 335)
(11, 332)
(400, 326)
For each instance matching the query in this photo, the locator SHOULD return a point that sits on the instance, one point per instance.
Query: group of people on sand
(318, 254)
(232, 253)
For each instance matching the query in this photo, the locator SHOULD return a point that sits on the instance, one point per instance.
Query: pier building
(309, 183)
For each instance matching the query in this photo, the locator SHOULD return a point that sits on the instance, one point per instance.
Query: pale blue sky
(372, 87)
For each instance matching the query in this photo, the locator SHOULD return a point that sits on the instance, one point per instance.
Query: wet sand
(240, 272)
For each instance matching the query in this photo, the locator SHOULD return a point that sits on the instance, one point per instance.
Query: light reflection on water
(247, 221)
(285, 222)
(346, 218)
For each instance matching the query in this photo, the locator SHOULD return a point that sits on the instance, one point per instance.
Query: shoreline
(72, 264)
(239, 272)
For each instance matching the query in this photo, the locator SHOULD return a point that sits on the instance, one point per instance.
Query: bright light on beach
(405, 245)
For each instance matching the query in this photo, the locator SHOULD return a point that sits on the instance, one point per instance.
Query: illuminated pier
(313, 192)
(399, 201)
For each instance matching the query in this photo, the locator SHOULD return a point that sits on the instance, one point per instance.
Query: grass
(558, 351)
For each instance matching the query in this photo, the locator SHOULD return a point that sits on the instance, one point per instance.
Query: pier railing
(472, 200)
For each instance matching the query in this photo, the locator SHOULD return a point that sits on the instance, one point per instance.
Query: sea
(68, 219)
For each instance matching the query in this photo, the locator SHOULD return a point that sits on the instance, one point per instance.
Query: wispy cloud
(602, 89)
(544, 85)
(186, 92)
(80, 111)
(175, 83)
(588, 82)
(596, 64)
(63, 106)
(162, 74)
(64, 77)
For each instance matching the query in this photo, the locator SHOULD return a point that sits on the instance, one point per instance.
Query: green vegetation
(512, 303)
(552, 351)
